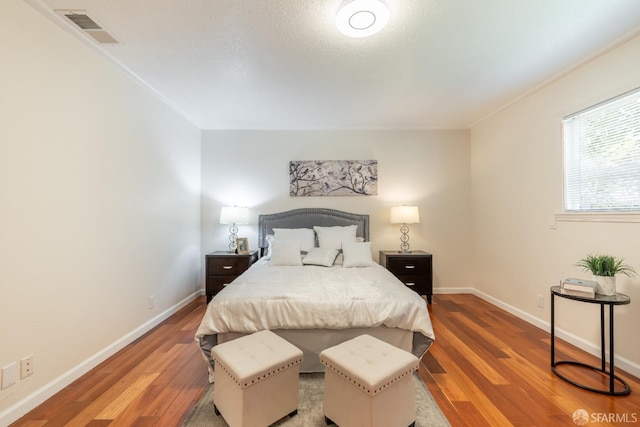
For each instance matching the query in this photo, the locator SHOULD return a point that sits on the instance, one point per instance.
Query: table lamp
(233, 215)
(404, 215)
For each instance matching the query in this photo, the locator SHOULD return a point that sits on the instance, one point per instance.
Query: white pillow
(304, 236)
(340, 259)
(320, 256)
(269, 238)
(285, 252)
(333, 237)
(357, 254)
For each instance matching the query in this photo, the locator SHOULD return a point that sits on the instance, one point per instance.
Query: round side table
(602, 300)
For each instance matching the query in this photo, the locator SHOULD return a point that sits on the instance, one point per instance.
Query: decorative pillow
(304, 236)
(333, 237)
(285, 252)
(320, 256)
(357, 254)
(340, 259)
(269, 238)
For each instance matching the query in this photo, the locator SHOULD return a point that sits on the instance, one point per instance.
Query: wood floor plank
(455, 364)
(467, 414)
(478, 360)
(450, 388)
(123, 400)
(486, 368)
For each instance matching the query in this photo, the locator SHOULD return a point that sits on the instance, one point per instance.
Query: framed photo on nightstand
(243, 245)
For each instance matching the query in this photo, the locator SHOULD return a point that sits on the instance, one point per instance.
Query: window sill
(624, 217)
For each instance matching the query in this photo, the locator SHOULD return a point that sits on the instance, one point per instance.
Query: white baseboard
(36, 398)
(453, 290)
(591, 348)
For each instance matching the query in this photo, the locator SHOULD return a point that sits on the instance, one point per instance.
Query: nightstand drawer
(407, 266)
(226, 266)
(420, 284)
(216, 283)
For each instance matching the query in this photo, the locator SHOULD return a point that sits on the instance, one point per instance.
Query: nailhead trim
(275, 370)
(346, 375)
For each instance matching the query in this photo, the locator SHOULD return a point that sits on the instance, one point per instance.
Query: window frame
(592, 215)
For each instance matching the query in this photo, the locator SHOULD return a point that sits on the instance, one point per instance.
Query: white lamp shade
(405, 215)
(234, 215)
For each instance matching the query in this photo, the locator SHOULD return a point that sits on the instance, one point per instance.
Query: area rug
(310, 407)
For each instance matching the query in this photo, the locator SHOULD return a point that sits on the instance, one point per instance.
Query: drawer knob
(410, 284)
(227, 267)
(409, 267)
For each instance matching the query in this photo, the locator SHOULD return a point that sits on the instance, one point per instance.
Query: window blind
(602, 156)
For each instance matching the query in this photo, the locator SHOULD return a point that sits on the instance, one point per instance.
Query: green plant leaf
(606, 265)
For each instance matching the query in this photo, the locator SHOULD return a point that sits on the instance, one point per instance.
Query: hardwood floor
(489, 368)
(155, 381)
(486, 368)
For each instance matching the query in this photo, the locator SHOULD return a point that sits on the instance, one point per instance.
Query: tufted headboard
(307, 218)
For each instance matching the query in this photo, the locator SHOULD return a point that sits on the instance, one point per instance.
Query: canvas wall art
(333, 177)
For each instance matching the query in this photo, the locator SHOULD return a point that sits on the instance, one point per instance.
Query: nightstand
(414, 269)
(223, 267)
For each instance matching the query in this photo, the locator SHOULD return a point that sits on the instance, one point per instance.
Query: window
(602, 156)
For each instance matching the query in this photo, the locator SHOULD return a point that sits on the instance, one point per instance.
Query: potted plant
(604, 269)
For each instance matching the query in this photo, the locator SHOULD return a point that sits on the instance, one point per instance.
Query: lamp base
(233, 235)
(404, 238)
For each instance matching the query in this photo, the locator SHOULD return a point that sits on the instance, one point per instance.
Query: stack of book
(579, 287)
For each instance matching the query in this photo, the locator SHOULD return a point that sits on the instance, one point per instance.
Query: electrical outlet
(26, 366)
(152, 302)
(9, 375)
(540, 301)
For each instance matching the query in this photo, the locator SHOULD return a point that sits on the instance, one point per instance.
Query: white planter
(606, 285)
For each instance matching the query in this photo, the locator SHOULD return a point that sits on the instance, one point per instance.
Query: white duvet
(310, 297)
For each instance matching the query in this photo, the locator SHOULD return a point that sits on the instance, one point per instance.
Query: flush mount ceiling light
(361, 18)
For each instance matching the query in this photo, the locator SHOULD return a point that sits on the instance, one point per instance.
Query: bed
(313, 294)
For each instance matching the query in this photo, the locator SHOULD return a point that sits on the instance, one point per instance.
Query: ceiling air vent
(88, 25)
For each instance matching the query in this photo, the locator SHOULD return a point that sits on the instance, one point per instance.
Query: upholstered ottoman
(256, 379)
(369, 382)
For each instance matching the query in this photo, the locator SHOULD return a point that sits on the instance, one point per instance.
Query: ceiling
(282, 64)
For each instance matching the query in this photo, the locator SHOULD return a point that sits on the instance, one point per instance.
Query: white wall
(426, 168)
(516, 172)
(100, 204)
